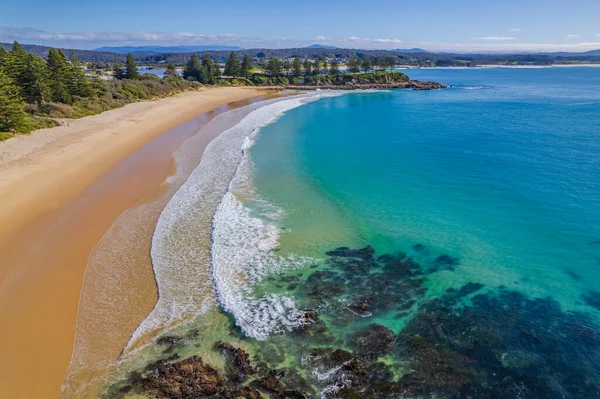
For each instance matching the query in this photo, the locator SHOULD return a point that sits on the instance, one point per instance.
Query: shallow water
(477, 211)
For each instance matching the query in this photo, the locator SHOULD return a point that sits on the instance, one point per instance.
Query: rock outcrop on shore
(411, 84)
(349, 81)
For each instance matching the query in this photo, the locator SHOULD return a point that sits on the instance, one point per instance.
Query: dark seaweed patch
(496, 344)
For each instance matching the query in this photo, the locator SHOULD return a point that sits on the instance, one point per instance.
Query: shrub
(5, 136)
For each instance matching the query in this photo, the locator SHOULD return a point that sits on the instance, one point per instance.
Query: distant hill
(83, 55)
(321, 46)
(164, 49)
(585, 53)
(410, 50)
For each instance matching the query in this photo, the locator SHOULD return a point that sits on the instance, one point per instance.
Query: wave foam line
(181, 242)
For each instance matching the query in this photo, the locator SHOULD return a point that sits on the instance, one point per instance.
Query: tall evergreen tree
(366, 64)
(317, 67)
(354, 64)
(286, 66)
(274, 66)
(80, 85)
(307, 66)
(12, 112)
(131, 71)
(334, 67)
(232, 66)
(375, 63)
(18, 57)
(324, 65)
(246, 66)
(193, 69)
(209, 70)
(118, 71)
(297, 66)
(36, 84)
(59, 76)
(4, 55)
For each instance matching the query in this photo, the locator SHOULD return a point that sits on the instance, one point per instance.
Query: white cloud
(571, 36)
(363, 40)
(598, 34)
(496, 38)
(320, 38)
(88, 40)
(516, 30)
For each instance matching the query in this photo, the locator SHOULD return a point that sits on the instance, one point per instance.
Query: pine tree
(232, 66)
(59, 76)
(286, 66)
(131, 71)
(246, 66)
(193, 69)
(334, 67)
(80, 85)
(274, 67)
(297, 66)
(209, 70)
(354, 64)
(375, 63)
(317, 67)
(366, 64)
(307, 66)
(118, 71)
(171, 71)
(324, 65)
(36, 84)
(12, 112)
(4, 57)
(18, 57)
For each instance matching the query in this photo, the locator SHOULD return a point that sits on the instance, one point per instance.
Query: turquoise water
(501, 173)
(394, 244)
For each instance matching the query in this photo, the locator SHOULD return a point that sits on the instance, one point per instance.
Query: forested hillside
(34, 91)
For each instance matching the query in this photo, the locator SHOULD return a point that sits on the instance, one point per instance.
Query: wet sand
(45, 254)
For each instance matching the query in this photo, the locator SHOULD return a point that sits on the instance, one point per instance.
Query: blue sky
(450, 25)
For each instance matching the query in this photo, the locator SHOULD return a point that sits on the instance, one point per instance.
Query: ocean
(395, 243)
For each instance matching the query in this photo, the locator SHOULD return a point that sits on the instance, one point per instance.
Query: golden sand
(59, 196)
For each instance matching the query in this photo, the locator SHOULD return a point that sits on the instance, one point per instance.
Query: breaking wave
(181, 244)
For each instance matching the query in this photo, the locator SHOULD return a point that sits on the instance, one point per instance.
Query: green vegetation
(35, 91)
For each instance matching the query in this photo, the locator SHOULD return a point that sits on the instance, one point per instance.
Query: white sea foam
(180, 245)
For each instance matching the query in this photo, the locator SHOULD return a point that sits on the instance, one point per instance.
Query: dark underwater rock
(372, 341)
(189, 378)
(345, 252)
(445, 262)
(592, 298)
(273, 384)
(168, 341)
(245, 393)
(420, 249)
(324, 285)
(503, 346)
(238, 366)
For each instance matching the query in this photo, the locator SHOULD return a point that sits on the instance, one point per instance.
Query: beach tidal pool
(404, 245)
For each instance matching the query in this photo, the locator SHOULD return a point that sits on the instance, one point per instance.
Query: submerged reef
(372, 331)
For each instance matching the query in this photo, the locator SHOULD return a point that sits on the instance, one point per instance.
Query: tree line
(273, 67)
(34, 91)
(28, 78)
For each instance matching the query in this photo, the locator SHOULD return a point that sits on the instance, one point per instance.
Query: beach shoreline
(61, 194)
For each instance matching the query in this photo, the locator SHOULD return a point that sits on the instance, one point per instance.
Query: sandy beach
(62, 189)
